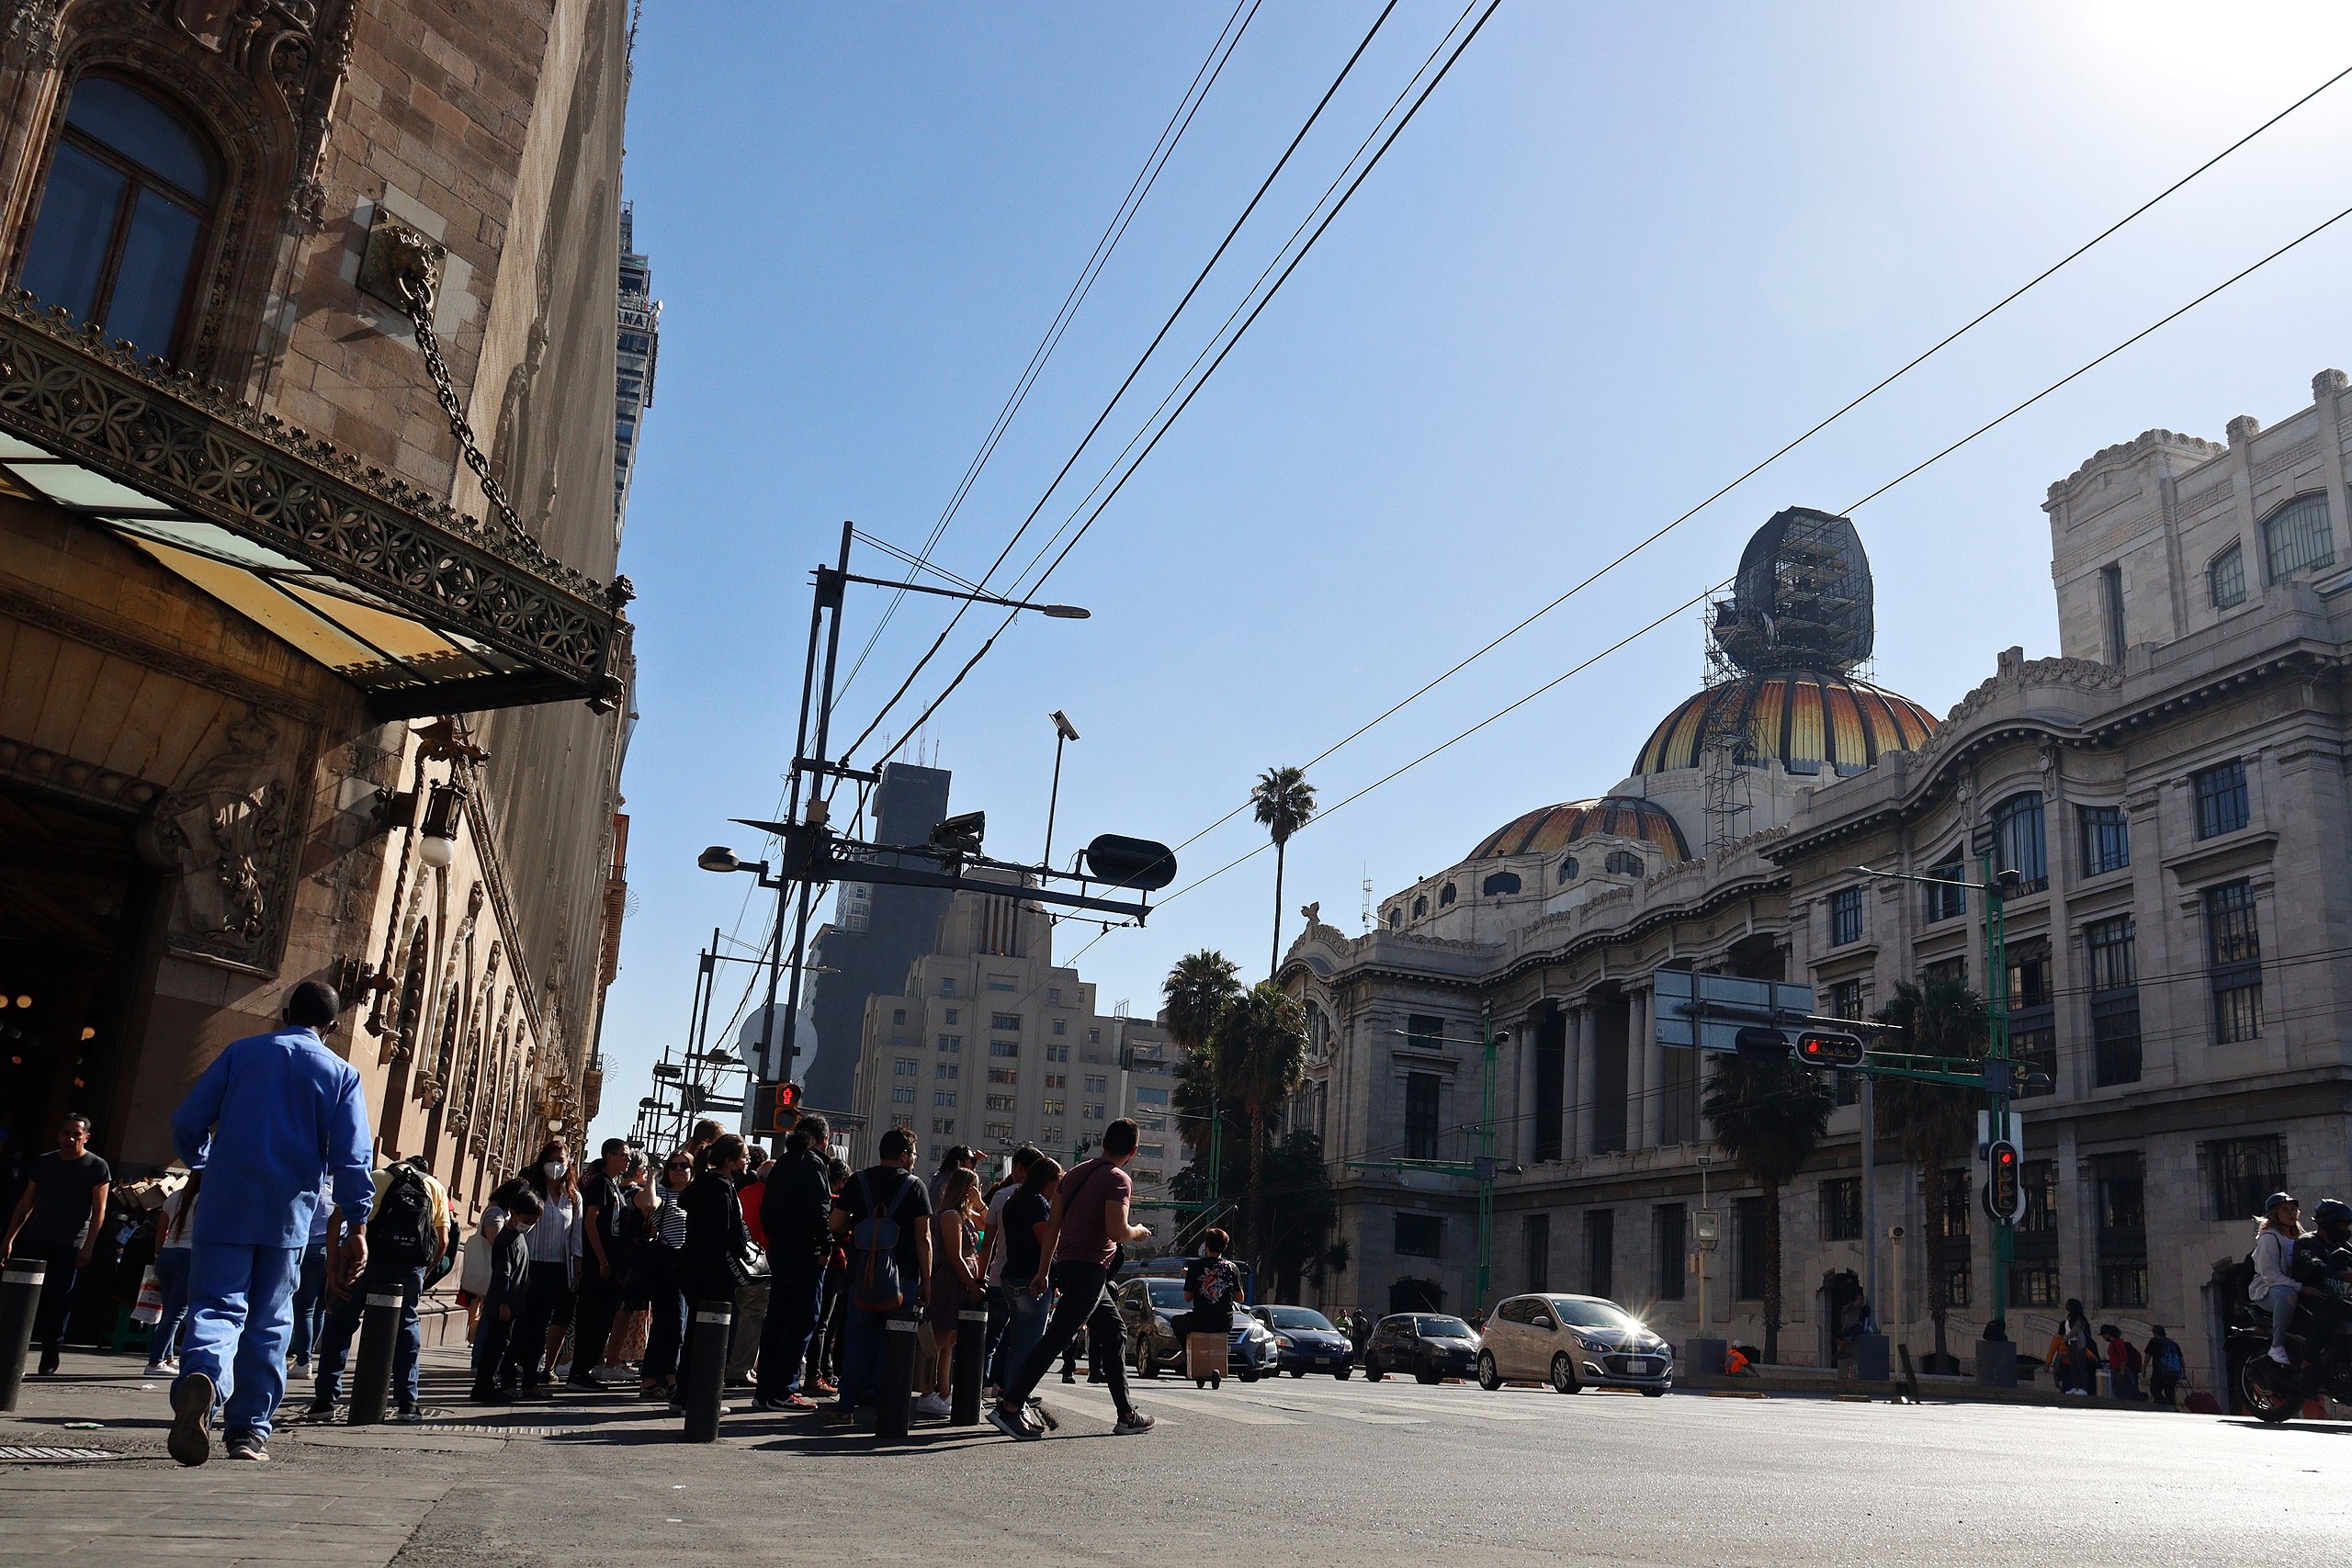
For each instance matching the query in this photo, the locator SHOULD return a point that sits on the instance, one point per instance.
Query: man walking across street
(1000, 1292)
(598, 1299)
(885, 1214)
(261, 1122)
(56, 1220)
(796, 1203)
(1082, 1239)
(2165, 1367)
(408, 1231)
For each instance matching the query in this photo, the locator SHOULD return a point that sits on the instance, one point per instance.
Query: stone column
(1523, 1105)
(1581, 1106)
(1653, 1057)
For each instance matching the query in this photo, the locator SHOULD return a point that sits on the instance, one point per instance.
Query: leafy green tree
(1939, 1017)
(1284, 802)
(1196, 994)
(1258, 1050)
(1770, 1115)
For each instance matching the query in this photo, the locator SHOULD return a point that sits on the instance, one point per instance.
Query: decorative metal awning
(424, 609)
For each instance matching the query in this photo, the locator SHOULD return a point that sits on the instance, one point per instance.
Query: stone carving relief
(301, 48)
(229, 834)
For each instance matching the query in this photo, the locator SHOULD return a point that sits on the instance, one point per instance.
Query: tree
(1284, 802)
(1259, 1051)
(1939, 1017)
(1768, 1114)
(1196, 994)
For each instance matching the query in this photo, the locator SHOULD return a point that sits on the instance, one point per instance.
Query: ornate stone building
(286, 688)
(2171, 790)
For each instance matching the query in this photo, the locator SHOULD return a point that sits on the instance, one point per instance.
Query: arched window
(1569, 869)
(1395, 918)
(1498, 884)
(2226, 579)
(1420, 906)
(2017, 841)
(2296, 537)
(1622, 863)
(123, 217)
(1446, 895)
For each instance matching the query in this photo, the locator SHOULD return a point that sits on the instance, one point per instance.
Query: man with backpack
(884, 1213)
(796, 1203)
(408, 1232)
(2165, 1368)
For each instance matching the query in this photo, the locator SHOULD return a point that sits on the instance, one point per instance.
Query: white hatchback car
(1573, 1343)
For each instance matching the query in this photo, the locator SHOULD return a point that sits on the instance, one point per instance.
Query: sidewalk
(1819, 1382)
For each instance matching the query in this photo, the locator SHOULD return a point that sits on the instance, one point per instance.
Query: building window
(2106, 839)
(2119, 1188)
(947, 988)
(951, 1043)
(1845, 1001)
(898, 1015)
(943, 1096)
(1050, 1107)
(1003, 1132)
(1952, 1256)
(1004, 1075)
(947, 1069)
(1420, 1236)
(1845, 916)
(2296, 537)
(1008, 1049)
(1499, 883)
(955, 1015)
(907, 1067)
(1395, 918)
(1057, 1080)
(1094, 1113)
(2033, 1017)
(1003, 983)
(2110, 605)
(2226, 579)
(1600, 1252)
(2110, 948)
(1059, 1027)
(1151, 1097)
(1008, 1021)
(1748, 1250)
(1841, 1209)
(1154, 1152)
(1667, 1226)
(942, 1127)
(1536, 1251)
(1000, 1102)
(1420, 1115)
(1095, 1037)
(2245, 1171)
(1098, 1083)
(1947, 903)
(2221, 800)
(2018, 843)
(2033, 1273)
(1054, 1053)
(122, 218)
(1053, 995)
(1622, 863)
(902, 1097)
(1569, 869)
(1446, 895)
(2233, 948)
(1424, 1033)
(1420, 906)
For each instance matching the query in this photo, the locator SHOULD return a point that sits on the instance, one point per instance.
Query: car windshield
(1298, 1318)
(1442, 1328)
(1580, 1314)
(1169, 1293)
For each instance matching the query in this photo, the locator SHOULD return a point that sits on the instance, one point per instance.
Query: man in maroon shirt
(1082, 1241)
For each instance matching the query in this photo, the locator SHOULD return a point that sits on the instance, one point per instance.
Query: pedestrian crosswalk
(1315, 1402)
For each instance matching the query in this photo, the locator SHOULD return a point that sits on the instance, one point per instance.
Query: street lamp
(1064, 733)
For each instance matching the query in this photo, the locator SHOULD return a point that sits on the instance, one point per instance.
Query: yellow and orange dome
(1807, 720)
(1556, 827)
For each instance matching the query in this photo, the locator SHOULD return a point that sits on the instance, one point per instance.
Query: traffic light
(1829, 1048)
(2007, 1182)
(780, 1109)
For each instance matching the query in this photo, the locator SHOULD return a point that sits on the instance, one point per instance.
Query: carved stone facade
(196, 807)
(2172, 789)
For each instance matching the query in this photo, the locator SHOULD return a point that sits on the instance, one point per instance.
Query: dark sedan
(1306, 1341)
(1429, 1346)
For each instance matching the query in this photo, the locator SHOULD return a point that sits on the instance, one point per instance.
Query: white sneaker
(613, 1375)
(932, 1407)
(2279, 1356)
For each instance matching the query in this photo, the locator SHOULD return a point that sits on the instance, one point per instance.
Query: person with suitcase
(1213, 1284)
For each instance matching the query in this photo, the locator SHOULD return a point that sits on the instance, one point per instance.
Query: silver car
(1573, 1343)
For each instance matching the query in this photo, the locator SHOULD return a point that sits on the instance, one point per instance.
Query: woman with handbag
(718, 1256)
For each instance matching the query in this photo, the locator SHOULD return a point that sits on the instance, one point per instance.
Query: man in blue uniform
(269, 1113)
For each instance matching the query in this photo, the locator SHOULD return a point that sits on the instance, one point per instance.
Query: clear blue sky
(1622, 253)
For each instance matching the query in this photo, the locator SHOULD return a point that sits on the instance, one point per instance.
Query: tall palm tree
(1939, 1017)
(1769, 1116)
(1196, 995)
(1260, 1046)
(1284, 802)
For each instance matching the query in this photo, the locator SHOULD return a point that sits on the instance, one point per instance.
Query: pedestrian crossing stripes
(1270, 1405)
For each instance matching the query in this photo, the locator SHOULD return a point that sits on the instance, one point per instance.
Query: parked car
(1149, 1306)
(1429, 1346)
(1573, 1343)
(1306, 1341)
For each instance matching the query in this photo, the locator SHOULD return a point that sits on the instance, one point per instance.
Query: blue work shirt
(269, 1113)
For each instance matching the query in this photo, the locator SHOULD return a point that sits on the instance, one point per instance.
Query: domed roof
(1557, 826)
(1807, 719)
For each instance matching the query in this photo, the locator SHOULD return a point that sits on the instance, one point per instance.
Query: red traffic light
(1829, 1048)
(787, 1097)
(2007, 1197)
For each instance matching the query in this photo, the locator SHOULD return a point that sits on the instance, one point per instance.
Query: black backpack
(399, 1233)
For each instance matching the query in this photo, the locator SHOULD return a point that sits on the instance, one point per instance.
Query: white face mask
(554, 1169)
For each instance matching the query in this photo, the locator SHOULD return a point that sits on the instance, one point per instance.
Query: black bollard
(893, 1407)
(371, 1370)
(19, 1303)
(971, 1356)
(707, 1359)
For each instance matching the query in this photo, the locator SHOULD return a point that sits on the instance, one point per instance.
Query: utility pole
(1998, 1079)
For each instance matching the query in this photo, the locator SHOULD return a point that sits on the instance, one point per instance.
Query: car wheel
(1491, 1377)
(1564, 1373)
(1344, 1373)
(1427, 1375)
(1298, 1372)
(1146, 1364)
(1372, 1371)
(1653, 1394)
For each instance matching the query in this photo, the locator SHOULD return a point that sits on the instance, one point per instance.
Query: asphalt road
(1306, 1471)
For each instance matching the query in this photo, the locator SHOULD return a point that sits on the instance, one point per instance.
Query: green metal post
(1996, 958)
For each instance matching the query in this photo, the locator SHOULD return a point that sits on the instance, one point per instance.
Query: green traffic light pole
(1482, 1168)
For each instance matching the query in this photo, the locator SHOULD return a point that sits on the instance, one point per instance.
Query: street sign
(1709, 1012)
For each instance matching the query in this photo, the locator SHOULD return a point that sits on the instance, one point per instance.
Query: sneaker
(319, 1410)
(1134, 1423)
(654, 1391)
(48, 1364)
(2279, 1356)
(1013, 1426)
(613, 1376)
(407, 1415)
(1069, 1376)
(155, 1370)
(488, 1395)
(191, 1439)
(824, 1388)
(935, 1408)
(246, 1445)
(563, 1371)
(841, 1415)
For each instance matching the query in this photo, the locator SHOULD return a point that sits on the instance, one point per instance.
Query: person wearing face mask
(504, 1296)
(716, 1261)
(665, 1236)
(545, 1313)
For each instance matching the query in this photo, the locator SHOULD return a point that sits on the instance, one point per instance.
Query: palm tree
(1768, 1114)
(1938, 1017)
(1260, 1049)
(1196, 995)
(1284, 802)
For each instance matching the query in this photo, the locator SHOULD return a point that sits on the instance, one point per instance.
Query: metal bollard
(893, 1406)
(971, 1351)
(707, 1358)
(371, 1369)
(19, 1303)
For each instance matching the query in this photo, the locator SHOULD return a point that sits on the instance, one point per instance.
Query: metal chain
(419, 316)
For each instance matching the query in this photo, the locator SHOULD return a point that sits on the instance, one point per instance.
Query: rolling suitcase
(1206, 1358)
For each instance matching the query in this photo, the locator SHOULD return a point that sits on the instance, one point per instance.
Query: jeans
(310, 1300)
(1080, 1303)
(666, 1334)
(825, 1345)
(999, 1314)
(549, 1293)
(1025, 1325)
(596, 1303)
(56, 1295)
(863, 1336)
(795, 1292)
(342, 1321)
(241, 1313)
(2282, 1312)
(171, 1272)
(491, 1338)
